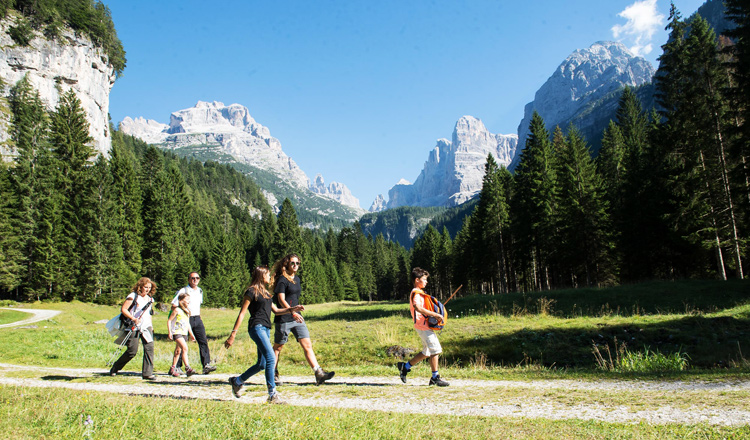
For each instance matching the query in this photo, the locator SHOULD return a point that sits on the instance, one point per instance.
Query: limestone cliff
(55, 66)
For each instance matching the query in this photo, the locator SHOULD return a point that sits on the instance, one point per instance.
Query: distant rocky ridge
(231, 130)
(454, 169)
(584, 78)
(55, 66)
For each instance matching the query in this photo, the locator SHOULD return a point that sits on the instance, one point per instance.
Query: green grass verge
(513, 336)
(8, 316)
(41, 413)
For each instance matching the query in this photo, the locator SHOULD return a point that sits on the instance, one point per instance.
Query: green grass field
(8, 316)
(548, 335)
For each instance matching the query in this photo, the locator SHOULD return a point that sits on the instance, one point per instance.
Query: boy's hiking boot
(173, 372)
(438, 381)
(276, 378)
(402, 371)
(189, 371)
(209, 368)
(236, 389)
(321, 376)
(276, 399)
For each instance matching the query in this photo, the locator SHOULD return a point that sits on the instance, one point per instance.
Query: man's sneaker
(276, 399)
(402, 371)
(112, 373)
(189, 371)
(209, 368)
(321, 376)
(173, 372)
(277, 379)
(236, 389)
(151, 377)
(438, 381)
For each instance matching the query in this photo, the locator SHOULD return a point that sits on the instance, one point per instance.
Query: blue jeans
(261, 335)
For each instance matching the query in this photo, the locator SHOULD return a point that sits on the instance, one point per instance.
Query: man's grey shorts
(298, 329)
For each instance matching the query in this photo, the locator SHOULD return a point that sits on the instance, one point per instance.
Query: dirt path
(389, 394)
(37, 315)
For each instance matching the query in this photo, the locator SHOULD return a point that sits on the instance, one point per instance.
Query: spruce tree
(72, 150)
(583, 222)
(126, 208)
(534, 207)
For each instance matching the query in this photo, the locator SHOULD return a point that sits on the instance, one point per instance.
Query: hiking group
(284, 302)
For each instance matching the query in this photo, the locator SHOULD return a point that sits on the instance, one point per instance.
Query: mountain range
(228, 133)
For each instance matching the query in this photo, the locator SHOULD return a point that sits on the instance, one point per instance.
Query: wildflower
(88, 421)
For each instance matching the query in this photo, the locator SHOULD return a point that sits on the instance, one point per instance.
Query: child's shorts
(430, 344)
(176, 337)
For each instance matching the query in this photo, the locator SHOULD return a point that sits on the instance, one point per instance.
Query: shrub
(21, 32)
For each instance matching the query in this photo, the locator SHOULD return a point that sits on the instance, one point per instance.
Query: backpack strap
(411, 303)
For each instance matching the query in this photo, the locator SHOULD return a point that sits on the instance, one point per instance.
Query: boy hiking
(430, 345)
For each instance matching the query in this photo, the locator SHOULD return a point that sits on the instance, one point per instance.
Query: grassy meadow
(548, 335)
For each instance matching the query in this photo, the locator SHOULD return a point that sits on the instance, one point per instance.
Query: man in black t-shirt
(287, 292)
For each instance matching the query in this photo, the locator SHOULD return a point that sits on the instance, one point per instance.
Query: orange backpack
(432, 304)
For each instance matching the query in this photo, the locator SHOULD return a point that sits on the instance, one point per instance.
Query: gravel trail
(298, 391)
(37, 315)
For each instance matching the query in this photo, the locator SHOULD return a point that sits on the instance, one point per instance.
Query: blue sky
(359, 91)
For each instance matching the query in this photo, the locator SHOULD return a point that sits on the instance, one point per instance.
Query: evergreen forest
(667, 197)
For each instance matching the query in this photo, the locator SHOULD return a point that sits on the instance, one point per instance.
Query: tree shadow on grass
(658, 297)
(708, 341)
(362, 312)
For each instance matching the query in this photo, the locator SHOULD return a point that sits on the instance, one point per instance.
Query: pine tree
(11, 246)
(490, 229)
(126, 209)
(534, 207)
(689, 85)
(289, 238)
(72, 150)
(583, 222)
(31, 180)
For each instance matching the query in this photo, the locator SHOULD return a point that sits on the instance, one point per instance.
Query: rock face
(378, 204)
(585, 77)
(71, 62)
(336, 191)
(454, 169)
(232, 131)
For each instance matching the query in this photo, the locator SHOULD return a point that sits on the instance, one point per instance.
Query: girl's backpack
(432, 304)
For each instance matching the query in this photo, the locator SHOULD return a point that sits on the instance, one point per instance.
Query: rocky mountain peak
(454, 169)
(586, 76)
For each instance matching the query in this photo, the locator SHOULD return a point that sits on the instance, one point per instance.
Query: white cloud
(643, 21)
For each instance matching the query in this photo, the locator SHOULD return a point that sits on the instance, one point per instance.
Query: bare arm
(170, 322)
(126, 313)
(243, 309)
(282, 300)
(284, 311)
(426, 312)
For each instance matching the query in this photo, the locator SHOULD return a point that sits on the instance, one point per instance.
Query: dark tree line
(668, 196)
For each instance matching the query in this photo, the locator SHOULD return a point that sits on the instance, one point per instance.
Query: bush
(21, 32)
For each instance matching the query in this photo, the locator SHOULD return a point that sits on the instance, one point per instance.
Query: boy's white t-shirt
(141, 301)
(196, 299)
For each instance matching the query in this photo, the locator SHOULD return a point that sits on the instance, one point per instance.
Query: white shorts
(430, 344)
